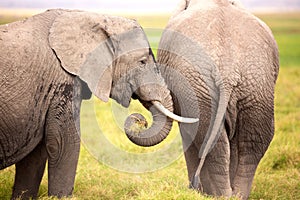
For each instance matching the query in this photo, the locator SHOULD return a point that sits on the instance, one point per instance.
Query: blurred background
(140, 6)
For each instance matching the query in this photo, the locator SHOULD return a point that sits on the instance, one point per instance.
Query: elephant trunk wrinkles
(160, 128)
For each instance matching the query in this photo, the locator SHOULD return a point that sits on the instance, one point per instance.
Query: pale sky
(100, 5)
(141, 6)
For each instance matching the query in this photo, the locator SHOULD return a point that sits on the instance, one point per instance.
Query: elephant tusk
(166, 112)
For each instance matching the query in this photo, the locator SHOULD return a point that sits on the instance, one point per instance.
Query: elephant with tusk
(48, 64)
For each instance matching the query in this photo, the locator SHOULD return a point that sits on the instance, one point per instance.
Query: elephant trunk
(136, 125)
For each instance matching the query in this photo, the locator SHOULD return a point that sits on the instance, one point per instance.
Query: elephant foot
(195, 184)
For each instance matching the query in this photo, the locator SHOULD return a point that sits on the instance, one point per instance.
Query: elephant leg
(214, 175)
(192, 161)
(29, 173)
(233, 157)
(254, 134)
(63, 144)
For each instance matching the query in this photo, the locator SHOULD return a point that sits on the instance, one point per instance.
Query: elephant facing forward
(221, 64)
(48, 64)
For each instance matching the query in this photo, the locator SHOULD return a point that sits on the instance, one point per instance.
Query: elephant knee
(54, 147)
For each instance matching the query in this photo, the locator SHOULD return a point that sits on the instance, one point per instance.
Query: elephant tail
(220, 101)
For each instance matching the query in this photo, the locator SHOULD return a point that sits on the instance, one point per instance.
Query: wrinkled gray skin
(227, 63)
(48, 64)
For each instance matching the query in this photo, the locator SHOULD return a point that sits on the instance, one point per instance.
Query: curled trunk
(136, 125)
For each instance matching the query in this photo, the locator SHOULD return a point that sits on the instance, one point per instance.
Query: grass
(277, 177)
(286, 29)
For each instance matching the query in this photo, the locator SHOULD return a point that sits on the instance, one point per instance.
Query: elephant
(49, 63)
(220, 63)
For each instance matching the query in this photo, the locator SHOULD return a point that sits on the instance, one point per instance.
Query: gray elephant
(221, 64)
(48, 64)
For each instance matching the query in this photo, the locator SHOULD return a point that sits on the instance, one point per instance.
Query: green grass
(286, 29)
(277, 177)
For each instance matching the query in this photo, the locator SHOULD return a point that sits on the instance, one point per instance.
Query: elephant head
(112, 55)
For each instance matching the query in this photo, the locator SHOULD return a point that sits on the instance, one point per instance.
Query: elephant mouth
(135, 96)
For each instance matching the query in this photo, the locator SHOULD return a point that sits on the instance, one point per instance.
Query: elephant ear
(81, 42)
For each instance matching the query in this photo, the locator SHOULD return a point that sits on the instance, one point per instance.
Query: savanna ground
(277, 177)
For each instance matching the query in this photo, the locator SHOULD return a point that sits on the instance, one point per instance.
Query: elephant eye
(143, 61)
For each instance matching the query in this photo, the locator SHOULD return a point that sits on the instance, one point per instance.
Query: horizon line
(131, 12)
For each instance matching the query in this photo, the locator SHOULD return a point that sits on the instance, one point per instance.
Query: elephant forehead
(131, 40)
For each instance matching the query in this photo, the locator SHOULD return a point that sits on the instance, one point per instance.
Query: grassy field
(277, 177)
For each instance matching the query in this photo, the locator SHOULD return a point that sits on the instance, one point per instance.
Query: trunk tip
(135, 124)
